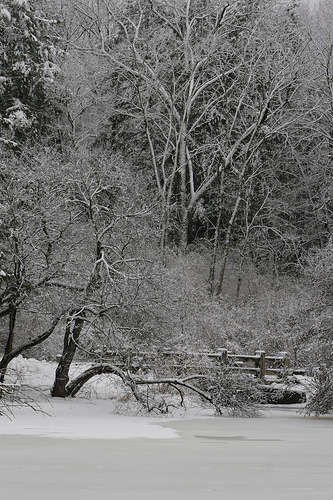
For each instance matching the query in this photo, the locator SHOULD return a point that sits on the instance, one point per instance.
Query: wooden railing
(258, 364)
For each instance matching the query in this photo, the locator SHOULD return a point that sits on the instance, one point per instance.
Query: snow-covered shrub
(237, 393)
(16, 396)
(320, 400)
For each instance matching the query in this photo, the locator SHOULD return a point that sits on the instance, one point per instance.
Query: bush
(238, 393)
(320, 400)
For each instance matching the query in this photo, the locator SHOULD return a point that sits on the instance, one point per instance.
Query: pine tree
(26, 69)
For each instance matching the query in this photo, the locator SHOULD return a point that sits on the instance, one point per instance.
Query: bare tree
(104, 203)
(207, 84)
(35, 227)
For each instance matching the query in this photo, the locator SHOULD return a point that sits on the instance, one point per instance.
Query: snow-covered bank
(81, 418)
(91, 415)
(281, 454)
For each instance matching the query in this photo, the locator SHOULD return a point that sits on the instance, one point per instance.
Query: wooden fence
(259, 364)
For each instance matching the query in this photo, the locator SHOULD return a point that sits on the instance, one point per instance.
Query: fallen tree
(237, 393)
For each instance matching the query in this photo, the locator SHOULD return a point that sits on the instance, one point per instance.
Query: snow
(82, 419)
(84, 450)
(92, 416)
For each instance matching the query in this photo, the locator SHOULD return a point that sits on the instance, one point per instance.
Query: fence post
(223, 356)
(262, 363)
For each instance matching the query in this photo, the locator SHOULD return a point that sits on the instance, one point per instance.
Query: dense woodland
(166, 181)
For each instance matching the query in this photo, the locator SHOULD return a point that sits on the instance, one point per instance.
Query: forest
(166, 185)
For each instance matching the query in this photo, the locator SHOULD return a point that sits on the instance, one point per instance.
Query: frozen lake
(281, 455)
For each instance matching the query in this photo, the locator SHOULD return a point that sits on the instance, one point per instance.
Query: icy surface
(280, 455)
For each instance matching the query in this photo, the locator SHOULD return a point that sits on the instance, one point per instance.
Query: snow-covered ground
(93, 414)
(97, 454)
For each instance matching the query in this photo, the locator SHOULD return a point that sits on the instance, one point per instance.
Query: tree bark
(212, 270)
(9, 345)
(71, 338)
(183, 211)
(227, 243)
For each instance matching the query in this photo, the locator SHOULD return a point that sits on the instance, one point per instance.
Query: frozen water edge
(81, 418)
(279, 455)
(97, 455)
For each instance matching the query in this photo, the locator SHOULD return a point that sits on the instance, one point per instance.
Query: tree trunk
(227, 241)
(70, 344)
(9, 345)
(164, 230)
(212, 270)
(74, 326)
(183, 211)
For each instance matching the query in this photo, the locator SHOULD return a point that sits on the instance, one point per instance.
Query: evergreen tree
(26, 69)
